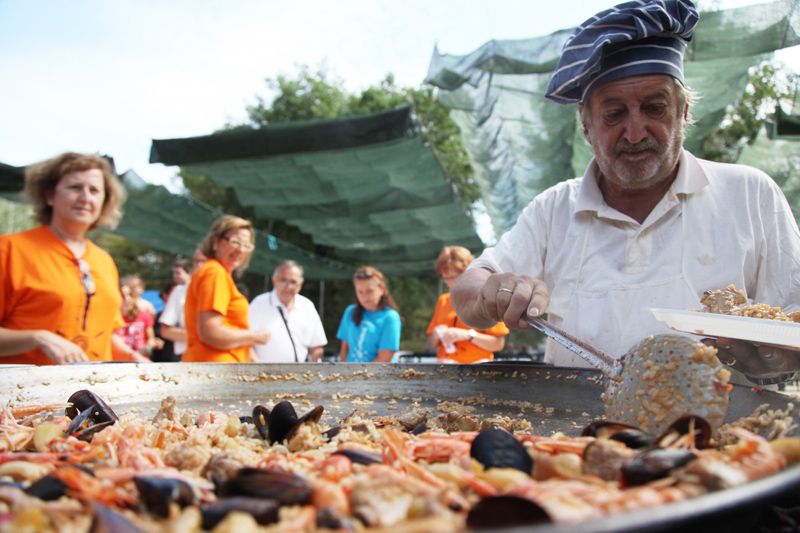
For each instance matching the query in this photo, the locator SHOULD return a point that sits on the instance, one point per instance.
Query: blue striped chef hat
(631, 39)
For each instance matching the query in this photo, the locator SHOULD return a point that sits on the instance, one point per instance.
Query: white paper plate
(759, 330)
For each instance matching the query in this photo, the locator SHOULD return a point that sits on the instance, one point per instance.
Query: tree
(767, 86)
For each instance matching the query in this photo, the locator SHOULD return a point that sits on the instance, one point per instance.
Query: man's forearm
(172, 333)
(465, 297)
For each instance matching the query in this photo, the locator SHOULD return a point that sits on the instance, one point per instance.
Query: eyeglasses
(243, 246)
(363, 274)
(88, 285)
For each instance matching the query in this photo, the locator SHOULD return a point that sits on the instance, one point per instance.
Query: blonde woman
(454, 341)
(217, 328)
(59, 292)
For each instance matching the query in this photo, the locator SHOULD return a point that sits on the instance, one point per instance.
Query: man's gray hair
(288, 263)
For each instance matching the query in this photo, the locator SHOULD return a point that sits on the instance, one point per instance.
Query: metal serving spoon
(657, 381)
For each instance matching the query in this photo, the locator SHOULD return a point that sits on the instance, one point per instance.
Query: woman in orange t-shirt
(455, 342)
(59, 293)
(217, 328)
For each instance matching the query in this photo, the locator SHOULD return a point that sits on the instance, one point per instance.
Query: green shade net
(177, 224)
(12, 179)
(520, 143)
(368, 187)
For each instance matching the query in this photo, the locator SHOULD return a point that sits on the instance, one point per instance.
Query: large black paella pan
(551, 399)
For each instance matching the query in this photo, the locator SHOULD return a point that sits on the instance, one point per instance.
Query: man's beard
(643, 173)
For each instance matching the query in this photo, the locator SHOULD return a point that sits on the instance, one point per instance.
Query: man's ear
(583, 122)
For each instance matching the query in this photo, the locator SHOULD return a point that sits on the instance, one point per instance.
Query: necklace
(76, 246)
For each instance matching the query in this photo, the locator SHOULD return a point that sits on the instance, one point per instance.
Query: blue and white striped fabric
(631, 39)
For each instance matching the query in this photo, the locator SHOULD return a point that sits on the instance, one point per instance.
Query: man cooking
(296, 332)
(648, 224)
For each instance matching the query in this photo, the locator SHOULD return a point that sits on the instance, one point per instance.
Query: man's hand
(58, 349)
(260, 336)
(482, 298)
(762, 361)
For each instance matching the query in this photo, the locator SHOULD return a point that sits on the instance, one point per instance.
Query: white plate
(758, 330)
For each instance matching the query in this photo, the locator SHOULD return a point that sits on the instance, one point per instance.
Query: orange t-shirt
(41, 288)
(212, 289)
(466, 351)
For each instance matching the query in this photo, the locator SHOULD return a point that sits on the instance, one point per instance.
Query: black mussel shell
(281, 421)
(359, 456)
(683, 425)
(157, 493)
(634, 438)
(505, 511)
(263, 511)
(284, 487)
(312, 416)
(653, 464)
(83, 399)
(332, 432)
(246, 419)
(47, 488)
(79, 420)
(603, 429)
(497, 448)
(328, 518)
(88, 432)
(261, 420)
(422, 427)
(106, 520)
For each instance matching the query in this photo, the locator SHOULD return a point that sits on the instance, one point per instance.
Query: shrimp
(88, 488)
(334, 468)
(753, 455)
(327, 494)
(440, 449)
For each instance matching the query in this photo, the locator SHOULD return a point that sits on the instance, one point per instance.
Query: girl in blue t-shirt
(370, 328)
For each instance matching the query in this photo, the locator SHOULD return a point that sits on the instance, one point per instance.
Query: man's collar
(276, 301)
(690, 179)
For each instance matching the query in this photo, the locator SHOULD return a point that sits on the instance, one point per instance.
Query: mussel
(89, 414)
(156, 494)
(280, 421)
(263, 511)
(283, 422)
(497, 448)
(47, 488)
(260, 420)
(359, 456)
(312, 416)
(631, 436)
(284, 487)
(505, 511)
(653, 464)
(328, 518)
(106, 520)
(685, 425)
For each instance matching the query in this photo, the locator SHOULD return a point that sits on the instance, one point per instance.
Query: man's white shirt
(303, 321)
(172, 315)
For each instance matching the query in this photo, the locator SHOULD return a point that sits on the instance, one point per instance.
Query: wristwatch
(471, 334)
(775, 380)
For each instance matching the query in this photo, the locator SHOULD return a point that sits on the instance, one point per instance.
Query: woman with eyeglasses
(217, 328)
(454, 341)
(370, 328)
(59, 292)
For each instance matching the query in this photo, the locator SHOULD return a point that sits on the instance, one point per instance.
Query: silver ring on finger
(504, 289)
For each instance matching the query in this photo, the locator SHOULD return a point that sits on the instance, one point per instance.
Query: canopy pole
(321, 304)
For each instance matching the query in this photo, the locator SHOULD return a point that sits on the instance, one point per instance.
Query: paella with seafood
(79, 466)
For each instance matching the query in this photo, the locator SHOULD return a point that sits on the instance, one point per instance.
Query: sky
(108, 76)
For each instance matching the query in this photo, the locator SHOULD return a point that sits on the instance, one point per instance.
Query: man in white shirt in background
(172, 324)
(296, 330)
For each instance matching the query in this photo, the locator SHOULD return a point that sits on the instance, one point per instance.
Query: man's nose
(635, 128)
